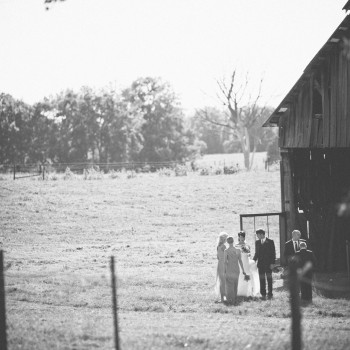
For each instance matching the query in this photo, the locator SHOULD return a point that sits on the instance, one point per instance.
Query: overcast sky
(189, 43)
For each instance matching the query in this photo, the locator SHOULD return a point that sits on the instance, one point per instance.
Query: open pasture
(57, 237)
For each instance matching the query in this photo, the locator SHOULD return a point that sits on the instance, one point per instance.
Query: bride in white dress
(250, 288)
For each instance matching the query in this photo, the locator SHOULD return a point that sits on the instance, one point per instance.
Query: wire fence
(107, 167)
(20, 171)
(208, 164)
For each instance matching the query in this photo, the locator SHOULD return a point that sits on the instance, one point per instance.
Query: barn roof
(333, 42)
(346, 6)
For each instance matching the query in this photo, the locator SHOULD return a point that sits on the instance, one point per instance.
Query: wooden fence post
(3, 338)
(295, 305)
(114, 304)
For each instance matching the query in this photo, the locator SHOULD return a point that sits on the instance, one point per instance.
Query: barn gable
(314, 139)
(319, 102)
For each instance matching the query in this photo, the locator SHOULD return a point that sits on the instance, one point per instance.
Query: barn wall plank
(326, 104)
(282, 127)
(319, 128)
(308, 112)
(344, 99)
(341, 102)
(299, 128)
(339, 94)
(348, 102)
(333, 101)
(319, 142)
(291, 127)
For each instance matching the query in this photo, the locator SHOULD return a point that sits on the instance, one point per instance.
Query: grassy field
(58, 236)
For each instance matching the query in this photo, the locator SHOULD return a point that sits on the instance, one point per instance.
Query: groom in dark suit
(265, 254)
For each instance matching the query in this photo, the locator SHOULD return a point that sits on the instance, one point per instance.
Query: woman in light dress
(233, 265)
(220, 271)
(250, 288)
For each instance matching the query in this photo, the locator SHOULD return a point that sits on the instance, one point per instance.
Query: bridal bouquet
(245, 249)
(246, 278)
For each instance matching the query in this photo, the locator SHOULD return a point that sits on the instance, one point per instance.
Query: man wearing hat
(306, 262)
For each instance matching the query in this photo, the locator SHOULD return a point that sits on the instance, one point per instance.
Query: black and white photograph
(174, 174)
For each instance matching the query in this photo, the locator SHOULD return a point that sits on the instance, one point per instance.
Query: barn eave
(333, 43)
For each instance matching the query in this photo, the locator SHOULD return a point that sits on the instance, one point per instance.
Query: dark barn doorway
(321, 183)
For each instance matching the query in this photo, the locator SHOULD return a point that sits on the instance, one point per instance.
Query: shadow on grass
(332, 285)
(335, 285)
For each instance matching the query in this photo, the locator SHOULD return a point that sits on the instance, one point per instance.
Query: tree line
(144, 122)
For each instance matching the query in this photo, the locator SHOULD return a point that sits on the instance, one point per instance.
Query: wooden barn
(314, 140)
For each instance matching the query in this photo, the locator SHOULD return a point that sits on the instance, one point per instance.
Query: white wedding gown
(249, 288)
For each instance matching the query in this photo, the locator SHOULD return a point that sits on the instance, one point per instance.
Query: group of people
(239, 273)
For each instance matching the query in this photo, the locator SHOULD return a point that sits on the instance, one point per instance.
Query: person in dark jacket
(292, 246)
(265, 255)
(306, 262)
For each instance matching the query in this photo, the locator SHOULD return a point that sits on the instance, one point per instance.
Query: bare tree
(241, 113)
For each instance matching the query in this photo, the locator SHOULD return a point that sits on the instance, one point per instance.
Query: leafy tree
(67, 116)
(164, 136)
(43, 134)
(144, 123)
(14, 129)
(93, 126)
(128, 130)
(88, 135)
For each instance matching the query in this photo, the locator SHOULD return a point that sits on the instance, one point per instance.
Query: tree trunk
(246, 155)
(252, 157)
(245, 144)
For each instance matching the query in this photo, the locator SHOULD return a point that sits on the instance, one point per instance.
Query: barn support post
(287, 199)
(283, 235)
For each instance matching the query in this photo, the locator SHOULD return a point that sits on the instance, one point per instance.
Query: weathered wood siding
(301, 127)
(314, 183)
